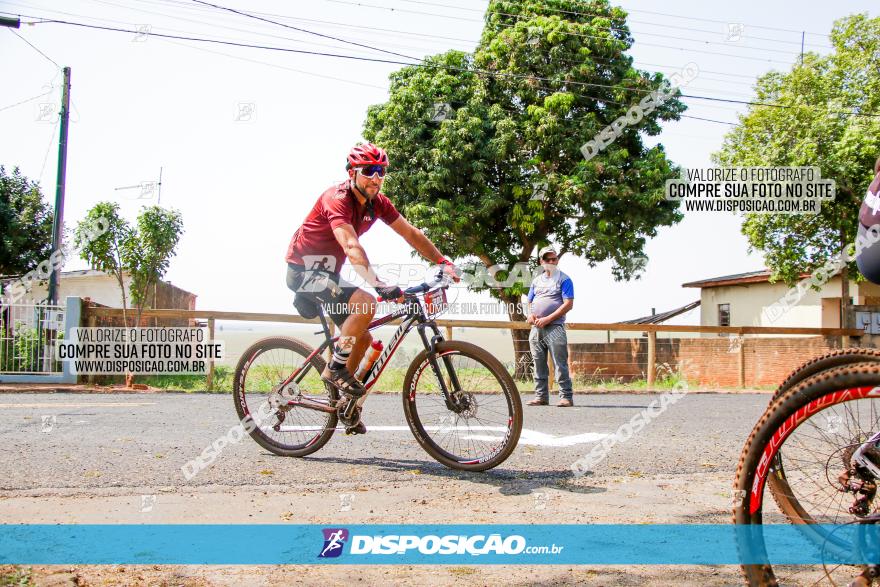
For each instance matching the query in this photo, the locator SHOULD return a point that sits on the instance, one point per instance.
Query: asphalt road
(118, 458)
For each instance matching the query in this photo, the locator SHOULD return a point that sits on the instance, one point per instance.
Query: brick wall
(145, 321)
(623, 359)
(767, 360)
(703, 361)
(169, 297)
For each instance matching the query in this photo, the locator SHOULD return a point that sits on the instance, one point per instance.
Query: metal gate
(28, 333)
(27, 338)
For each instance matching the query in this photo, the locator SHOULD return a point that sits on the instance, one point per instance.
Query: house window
(723, 314)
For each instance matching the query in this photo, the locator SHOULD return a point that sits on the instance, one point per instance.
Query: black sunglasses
(371, 170)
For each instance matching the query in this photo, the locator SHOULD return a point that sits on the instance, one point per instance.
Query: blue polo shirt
(548, 292)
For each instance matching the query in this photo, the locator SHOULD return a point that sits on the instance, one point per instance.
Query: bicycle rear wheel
(811, 430)
(784, 495)
(830, 360)
(261, 403)
(483, 426)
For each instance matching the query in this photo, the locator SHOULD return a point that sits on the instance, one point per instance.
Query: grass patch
(667, 379)
(262, 378)
(11, 576)
(391, 381)
(190, 383)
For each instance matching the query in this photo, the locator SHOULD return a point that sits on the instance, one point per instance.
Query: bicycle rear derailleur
(279, 401)
(859, 478)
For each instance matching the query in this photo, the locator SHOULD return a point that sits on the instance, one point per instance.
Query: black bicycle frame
(413, 316)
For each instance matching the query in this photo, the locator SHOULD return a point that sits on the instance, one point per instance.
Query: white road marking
(94, 405)
(529, 437)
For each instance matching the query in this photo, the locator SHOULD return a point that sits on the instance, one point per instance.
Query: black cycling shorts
(868, 260)
(322, 287)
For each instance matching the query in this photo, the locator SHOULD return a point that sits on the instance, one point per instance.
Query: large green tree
(546, 77)
(25, 224)
(831, 120)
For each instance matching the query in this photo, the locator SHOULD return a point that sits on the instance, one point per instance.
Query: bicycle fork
(431, 347)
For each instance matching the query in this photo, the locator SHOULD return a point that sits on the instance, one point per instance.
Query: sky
(247, 139)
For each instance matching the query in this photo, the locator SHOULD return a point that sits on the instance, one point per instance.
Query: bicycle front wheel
(802, 450)
(262, 402)
(479, 426)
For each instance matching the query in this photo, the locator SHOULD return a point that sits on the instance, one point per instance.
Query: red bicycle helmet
(367, 154)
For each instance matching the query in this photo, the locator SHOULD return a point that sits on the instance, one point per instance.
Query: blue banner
(708, 544)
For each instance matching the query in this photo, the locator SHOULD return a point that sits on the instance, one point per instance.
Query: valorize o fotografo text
(767, 190)
(143, 351)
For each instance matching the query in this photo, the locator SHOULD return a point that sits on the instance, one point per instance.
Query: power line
(727, 22)
(603, 100)
(433, 66)
(392, 9)
(26, 101)
(34, 48)
(703, 41)
(330, 77)
(179, 4)
(220, 26)
(305, 30)
(49, 148)
(176, 3)
(336, 38)
(384, 30)
(448, 38)
(545, 8)
(708, 119)
(311, 32)
(528, 77)
(629, 31)
(550, 9)
(337, 79)
(307, 73)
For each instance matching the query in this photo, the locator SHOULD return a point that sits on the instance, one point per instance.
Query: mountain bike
(460, 402)
(817, 449)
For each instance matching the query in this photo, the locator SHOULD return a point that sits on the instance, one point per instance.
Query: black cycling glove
(388, 292)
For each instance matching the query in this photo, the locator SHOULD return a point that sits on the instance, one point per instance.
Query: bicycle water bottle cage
(306, 307)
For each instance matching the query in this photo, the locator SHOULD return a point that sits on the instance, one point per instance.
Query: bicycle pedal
(358, 428)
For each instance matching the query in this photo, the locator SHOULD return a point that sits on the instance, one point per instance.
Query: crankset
(350, 420)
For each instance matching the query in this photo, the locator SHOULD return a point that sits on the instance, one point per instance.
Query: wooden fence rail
(91, 314)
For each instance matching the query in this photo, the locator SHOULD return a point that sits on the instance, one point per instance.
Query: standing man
(550, 298)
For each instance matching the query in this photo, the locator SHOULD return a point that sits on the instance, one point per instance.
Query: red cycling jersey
(336, 206)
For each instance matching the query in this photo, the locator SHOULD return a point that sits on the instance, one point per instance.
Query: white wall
(748, 301)
(102, 289)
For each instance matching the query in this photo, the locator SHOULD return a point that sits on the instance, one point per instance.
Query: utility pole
(58, 222)
(803, 34)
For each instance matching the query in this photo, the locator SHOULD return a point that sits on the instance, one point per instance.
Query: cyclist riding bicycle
(320, 246)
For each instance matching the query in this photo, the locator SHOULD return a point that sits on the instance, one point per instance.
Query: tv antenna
(147, 188)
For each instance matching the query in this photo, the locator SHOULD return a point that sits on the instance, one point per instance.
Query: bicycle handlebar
(441, 279)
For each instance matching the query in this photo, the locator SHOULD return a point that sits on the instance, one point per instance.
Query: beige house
(103, 289)
(749, 299)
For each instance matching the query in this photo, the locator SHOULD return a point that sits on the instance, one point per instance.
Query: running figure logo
(334, 541)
